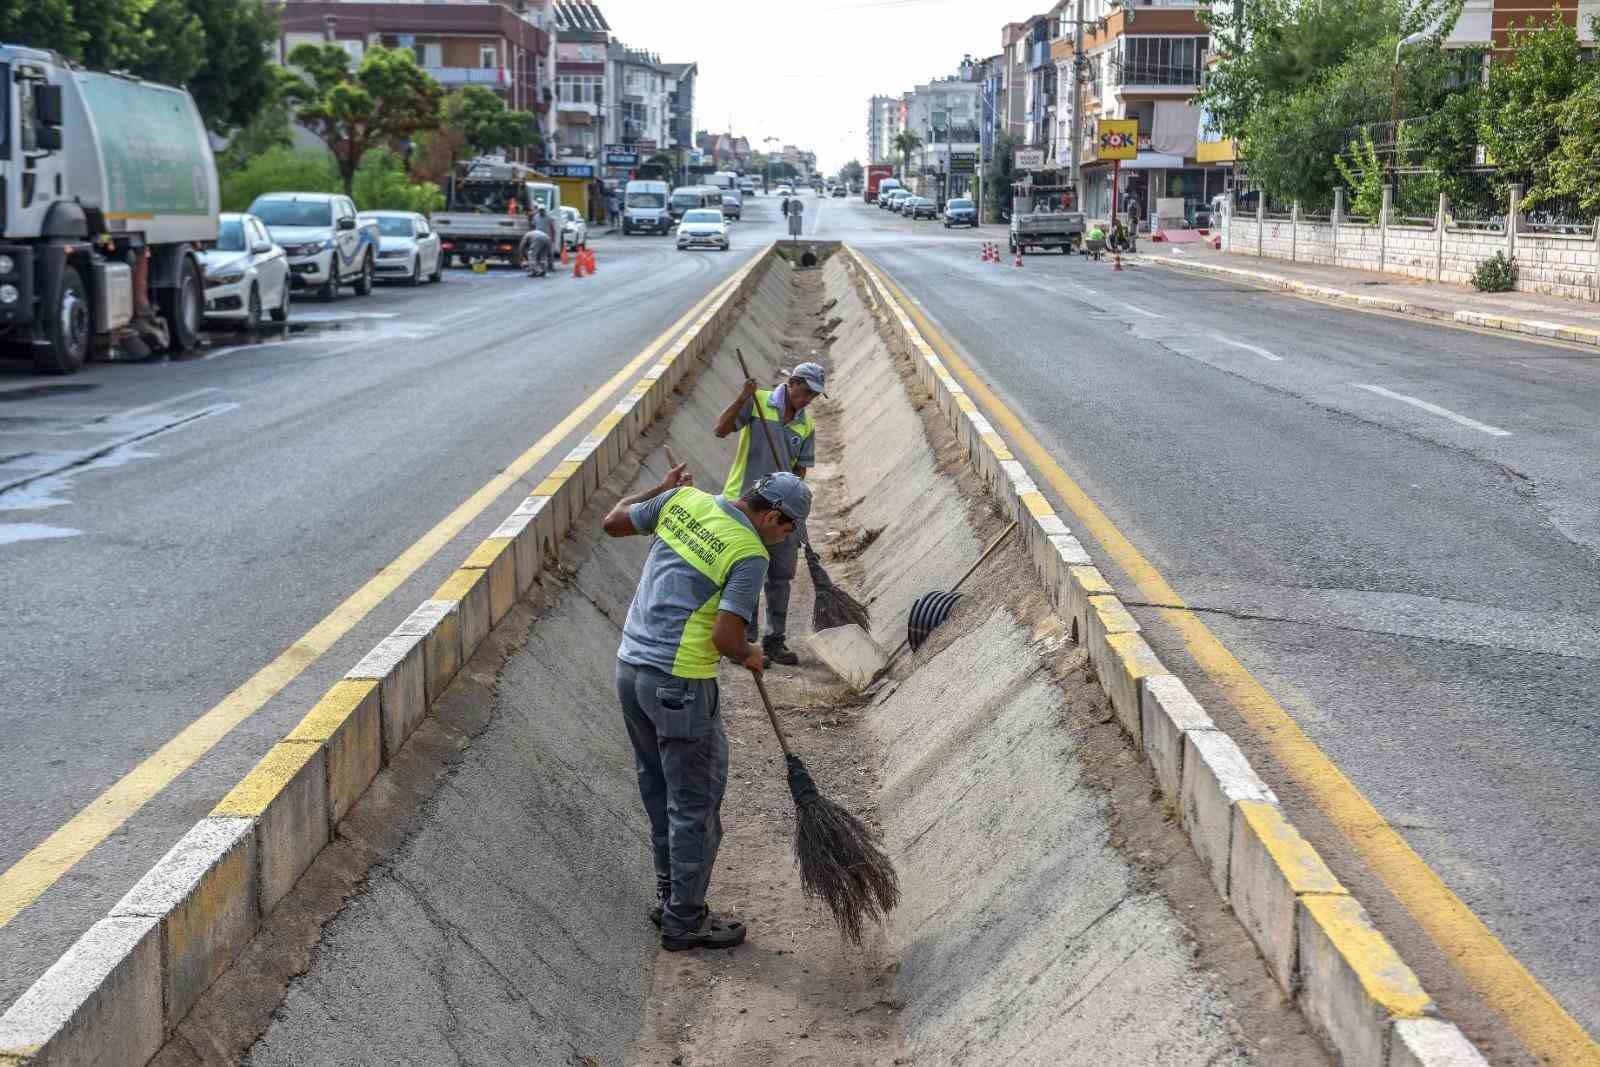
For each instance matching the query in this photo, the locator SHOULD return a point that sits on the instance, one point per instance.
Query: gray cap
(812, 374)
(790, 494)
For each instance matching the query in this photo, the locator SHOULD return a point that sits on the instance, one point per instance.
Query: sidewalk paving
(1526, 313)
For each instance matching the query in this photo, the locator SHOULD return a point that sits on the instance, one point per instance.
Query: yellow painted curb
(1301, 865)
(340, 702)
(1384, 976)
(252, 796)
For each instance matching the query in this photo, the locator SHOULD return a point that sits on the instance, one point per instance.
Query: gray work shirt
(797, 444)
(671, 589)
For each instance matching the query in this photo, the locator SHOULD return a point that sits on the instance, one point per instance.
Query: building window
(1160, 60)
(488, 59)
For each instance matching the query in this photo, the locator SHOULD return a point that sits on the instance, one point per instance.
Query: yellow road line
(27, 879)
(1505, 984)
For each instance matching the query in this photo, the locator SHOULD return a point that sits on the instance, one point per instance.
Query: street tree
(1000, 175)
(1526, 103)
(486, 124)
(1271, 49)
(384, 100)
(217, 48)
(906, 142)
(851, 173)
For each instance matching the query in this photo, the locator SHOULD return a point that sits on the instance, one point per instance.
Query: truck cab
(107, 184)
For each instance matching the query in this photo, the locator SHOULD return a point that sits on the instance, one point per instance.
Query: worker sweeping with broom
(697, 592)
(794, 436)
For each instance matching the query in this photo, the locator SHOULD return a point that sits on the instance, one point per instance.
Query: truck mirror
(47, 139)
(47, 107)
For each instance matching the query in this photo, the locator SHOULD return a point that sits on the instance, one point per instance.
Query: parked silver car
(245, 273)
(408, 248)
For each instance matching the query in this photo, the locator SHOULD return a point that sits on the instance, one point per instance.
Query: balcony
(496, 78)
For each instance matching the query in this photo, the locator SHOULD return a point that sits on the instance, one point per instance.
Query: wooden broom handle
(772, 716)
(772, 442)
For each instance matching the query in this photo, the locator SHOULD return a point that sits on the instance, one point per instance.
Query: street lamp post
(766, 177)
(1394, 98)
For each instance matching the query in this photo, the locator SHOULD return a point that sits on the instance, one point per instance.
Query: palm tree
(907, 142)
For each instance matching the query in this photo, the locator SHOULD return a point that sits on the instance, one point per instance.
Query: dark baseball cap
(788, 493)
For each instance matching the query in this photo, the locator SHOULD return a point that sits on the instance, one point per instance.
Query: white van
(690, 197)
(644, 208)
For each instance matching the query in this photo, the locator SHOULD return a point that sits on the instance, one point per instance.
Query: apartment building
(509, 46)
(944, 114)
(1144, 60)
(1013, 102)
(883, 126)
(581, 96)
(680, 101)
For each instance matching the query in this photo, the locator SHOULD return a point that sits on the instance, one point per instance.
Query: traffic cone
(588, 254)
(577, 266)
(1018, 261)
(563, 253)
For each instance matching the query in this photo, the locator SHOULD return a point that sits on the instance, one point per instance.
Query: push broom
(841, 859)
(832, 606)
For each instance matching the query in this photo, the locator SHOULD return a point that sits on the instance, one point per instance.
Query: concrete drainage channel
(446, 862)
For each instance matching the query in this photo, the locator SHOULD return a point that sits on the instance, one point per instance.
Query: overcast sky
(803, 72)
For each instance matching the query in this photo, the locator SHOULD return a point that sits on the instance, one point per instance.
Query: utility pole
(1078, 63)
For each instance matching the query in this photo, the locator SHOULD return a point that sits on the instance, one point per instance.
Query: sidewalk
(1527, 313)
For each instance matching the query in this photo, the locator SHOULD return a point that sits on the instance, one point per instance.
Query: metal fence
(1558, 215)
(1277, 207)
(1415, 200)
(1479, 200)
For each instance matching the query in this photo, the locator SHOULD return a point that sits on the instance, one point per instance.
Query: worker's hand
(749, 389)
(755, 661)
(677, 476)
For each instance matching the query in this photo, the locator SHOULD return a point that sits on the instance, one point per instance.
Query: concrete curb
(1531, 327)
(1317, 942)
(122, 989)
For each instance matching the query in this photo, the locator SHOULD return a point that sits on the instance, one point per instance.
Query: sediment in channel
(1051, 914)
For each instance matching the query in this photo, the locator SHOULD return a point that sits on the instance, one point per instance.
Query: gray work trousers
(680, 752)
(782, 558)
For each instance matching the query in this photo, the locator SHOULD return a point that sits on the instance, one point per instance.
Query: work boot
(713, 932)
(775, 650)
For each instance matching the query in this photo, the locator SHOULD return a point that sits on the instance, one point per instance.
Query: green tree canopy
(1526, 102)
(851, 172)
(217, 48)
(386, 99)
(1272, 49)
(486, 124)
(906, 142)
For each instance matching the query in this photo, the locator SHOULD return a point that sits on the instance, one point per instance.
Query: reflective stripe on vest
(711, 541)
(802, 425)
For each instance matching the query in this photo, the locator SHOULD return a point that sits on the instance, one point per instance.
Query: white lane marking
(1142, 311)
(1531, 366)
(1435, 409)
(1262, 352)
(12, 532)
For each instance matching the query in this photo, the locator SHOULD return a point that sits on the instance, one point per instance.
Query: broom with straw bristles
(832, 606)
(841, 859)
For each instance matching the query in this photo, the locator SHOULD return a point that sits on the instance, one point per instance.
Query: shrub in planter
(1497, 274)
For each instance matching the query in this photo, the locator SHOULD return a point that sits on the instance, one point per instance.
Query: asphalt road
(181, 524)
(1394, 525)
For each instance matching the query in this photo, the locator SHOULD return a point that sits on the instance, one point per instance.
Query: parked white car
(328, 246)
(703, 228)
(245, 273)
(574, 231)
(408, 248)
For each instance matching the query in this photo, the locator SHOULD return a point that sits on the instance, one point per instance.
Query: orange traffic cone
(577, 266)
(563, 253)
(1018, 261)
(588, 254)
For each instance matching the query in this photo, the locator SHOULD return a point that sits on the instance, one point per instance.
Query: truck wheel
(183, 308)
(68, 329)
(363, 284)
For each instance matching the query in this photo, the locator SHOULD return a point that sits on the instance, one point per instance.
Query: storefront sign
(1118, 139)
(1030, 159)
(963, 159)
(622, 159)
(569, 170)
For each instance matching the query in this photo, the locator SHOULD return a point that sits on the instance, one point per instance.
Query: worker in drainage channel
(698, 590)
(784, 409)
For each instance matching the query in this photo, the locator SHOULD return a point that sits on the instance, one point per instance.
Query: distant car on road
(892, 200)
(574, 231)
(960, 212)
(785, 190)
(328, 246)
(747, 186)
(838, 192)
(408, 248)
(898, 202)
(703, 228)
(922, 208)
(732, 205)
(245, 272)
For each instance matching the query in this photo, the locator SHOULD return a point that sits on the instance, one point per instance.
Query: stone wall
(1557, 264)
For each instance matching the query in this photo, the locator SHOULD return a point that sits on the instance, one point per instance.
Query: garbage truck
(107, 188)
